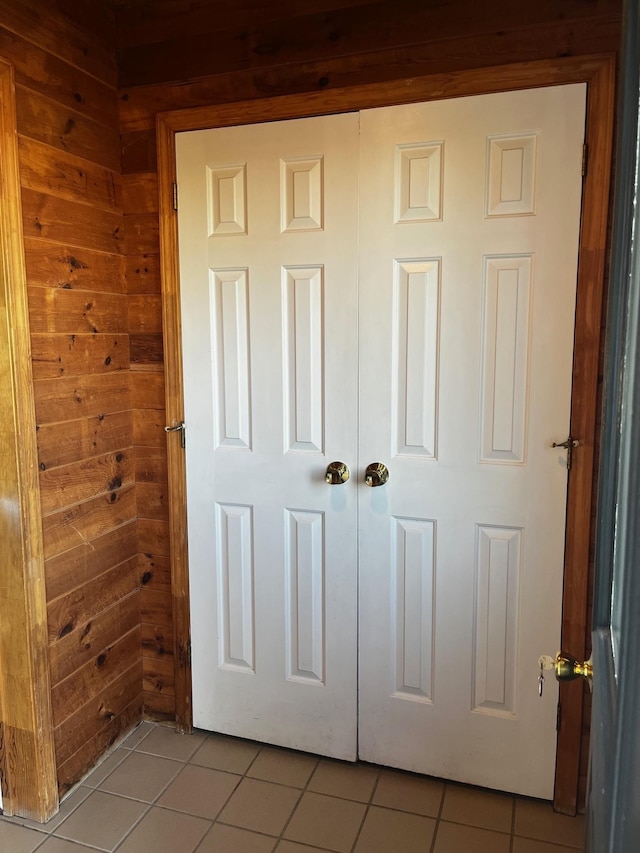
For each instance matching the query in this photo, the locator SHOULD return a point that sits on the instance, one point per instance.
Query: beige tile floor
(160, 792)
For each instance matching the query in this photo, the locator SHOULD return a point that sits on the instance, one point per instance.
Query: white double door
(393, 286)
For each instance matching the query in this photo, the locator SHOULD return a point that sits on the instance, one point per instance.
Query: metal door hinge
(181, 429)
(175, 195)
(585, 159)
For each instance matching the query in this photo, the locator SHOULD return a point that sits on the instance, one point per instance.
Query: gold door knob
(337, 473)
(376, 474)
(568, 668)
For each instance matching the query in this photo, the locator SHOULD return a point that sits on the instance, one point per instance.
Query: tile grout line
(438, 817)
(303, 791)
(150, 805)
(242, 776)
(367, 809)
(513, 826)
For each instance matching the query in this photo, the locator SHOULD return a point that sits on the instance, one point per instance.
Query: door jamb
(27, 755)
(599, 74)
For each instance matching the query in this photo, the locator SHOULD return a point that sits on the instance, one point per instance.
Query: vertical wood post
(27, 761)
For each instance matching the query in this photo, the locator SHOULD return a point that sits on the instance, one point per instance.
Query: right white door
(469, 225)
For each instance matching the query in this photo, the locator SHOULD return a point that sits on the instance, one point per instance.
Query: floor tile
(260, 806)
(18, 839)
(408, 793)
(199, 791)
(230, 839)
(293, 847)
(71, 802)
(529, 845)
(224, 753)
(138, 735)
(62, 845)
(167, 743)
(102, 820)
(389, 831)
(162, 831)
(141, 776)
(535, 819)
(454, 838)
(325, 822)
(475, 807)
(105, 768)
(339, 779)
(280, 765)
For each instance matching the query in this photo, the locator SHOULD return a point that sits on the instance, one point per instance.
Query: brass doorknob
(337, 473)
(566, 668)
(376, 474)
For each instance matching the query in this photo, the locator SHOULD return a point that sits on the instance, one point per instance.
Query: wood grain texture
(76, 568)
(92, 633)
(143, 273)
(94, 716)
(72, 355)
(27, 758)
(581, 497)
(113, 727)
(145, 314)
(70, 311)
(79, 481)
(64, 221)
(58, 80)
(73, 268)
(68, 398)
(67, 176)
(64, 443)
(67, 129)
(139, 104)
(90, 679)
(74, 525)
(341, 33)
(65, 30)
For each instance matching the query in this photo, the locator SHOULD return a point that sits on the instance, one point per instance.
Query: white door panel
(268, 244)
(467, 538)
(452, 367)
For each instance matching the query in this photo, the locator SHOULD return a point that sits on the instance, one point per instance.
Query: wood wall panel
(66, 129)
(166, 62)
(71, 191)
(91, 635)
(80, 33)
(342, 33)
(72, 355)
(64, 443)
(65, 175)
(66, 528)
(73, 268)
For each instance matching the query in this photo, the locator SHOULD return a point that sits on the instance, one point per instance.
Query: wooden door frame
(599, 74)
(27, 758)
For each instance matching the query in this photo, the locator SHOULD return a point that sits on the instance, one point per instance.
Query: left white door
(273, 256)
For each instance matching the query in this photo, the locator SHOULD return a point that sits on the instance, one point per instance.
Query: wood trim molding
(599, 74)
(27, 760)
(174, 406)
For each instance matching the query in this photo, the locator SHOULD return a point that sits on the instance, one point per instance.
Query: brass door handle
(337, 473)
(376, 474)
(566, 668)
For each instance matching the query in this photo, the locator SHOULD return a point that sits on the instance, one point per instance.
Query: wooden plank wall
(175, 54)
(69, 153)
